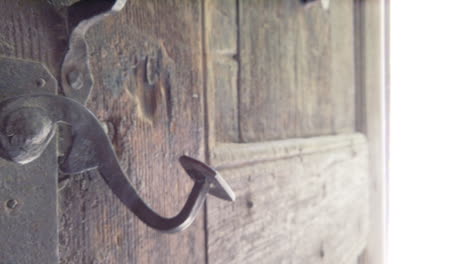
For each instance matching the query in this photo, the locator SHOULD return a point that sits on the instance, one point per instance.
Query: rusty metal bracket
(76, 76)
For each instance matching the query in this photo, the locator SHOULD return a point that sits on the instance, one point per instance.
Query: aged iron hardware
(30, 110)
(28, 193)
(28, 123)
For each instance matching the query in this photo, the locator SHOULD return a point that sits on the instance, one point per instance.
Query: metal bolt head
(25, 134)
(12, 204)
(75, 79)
(40, 83)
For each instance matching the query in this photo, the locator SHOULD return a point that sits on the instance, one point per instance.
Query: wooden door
(269, 92)
(281, 105)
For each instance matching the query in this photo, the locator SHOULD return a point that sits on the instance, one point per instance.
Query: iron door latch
(28, 125)
(30, 109)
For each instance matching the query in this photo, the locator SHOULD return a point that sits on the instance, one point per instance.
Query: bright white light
(428, 214)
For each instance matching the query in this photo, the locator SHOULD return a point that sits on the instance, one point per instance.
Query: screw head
(40, 83)
(12, 204)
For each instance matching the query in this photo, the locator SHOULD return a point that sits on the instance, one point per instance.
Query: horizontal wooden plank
(234, 155)
(299, 201)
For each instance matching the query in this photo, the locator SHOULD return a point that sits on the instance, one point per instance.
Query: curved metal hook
(27, 126)
(76, 77)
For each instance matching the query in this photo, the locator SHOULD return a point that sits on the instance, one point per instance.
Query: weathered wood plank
(343, 66)
(94, 226)
(299, 201)
(147, 64)
(222, 70)
(296, 74)
(34, 31)
(154, 118)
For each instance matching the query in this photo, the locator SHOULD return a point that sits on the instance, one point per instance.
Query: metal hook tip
(200, 171)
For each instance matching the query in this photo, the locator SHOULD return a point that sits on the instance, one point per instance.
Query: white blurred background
(428, 178)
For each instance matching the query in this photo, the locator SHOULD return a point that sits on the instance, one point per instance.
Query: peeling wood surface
(299, 201)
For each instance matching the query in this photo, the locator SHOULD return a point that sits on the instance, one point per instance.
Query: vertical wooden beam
(222, 68)
(371, 64)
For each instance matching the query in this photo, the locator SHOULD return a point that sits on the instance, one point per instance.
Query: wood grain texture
(278, 70)
(299, 201)
(222, 70)
(343, 66)
(33, 31)
(274, 69)
(296, 73)
(148, 94)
